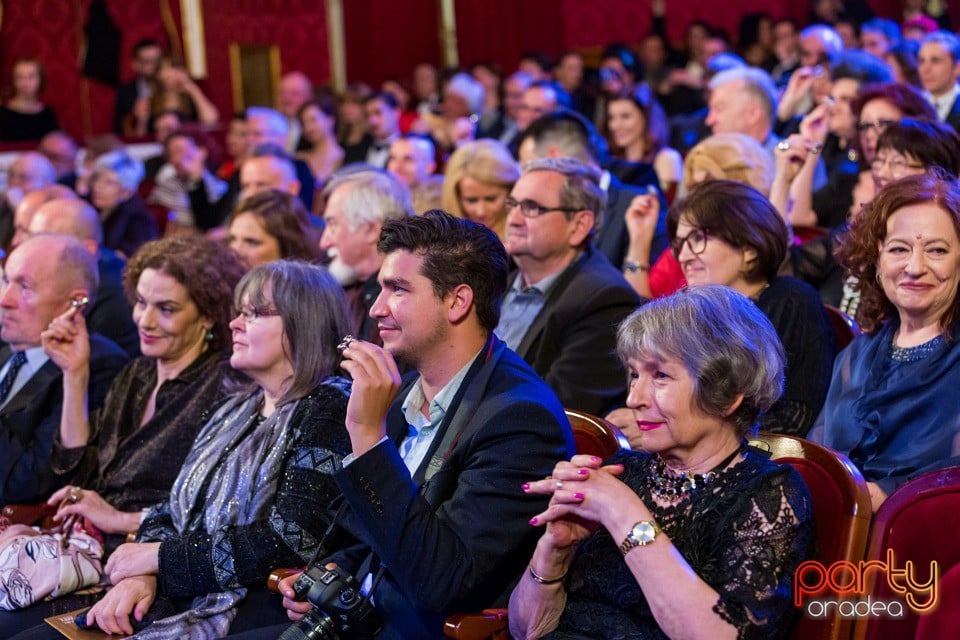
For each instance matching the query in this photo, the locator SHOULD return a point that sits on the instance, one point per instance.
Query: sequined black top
(133, 465)
(196, 563)
(744, 534)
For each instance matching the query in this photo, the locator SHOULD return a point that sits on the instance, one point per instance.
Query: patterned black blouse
(744, 534)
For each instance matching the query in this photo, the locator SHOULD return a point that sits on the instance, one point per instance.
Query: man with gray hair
(31, 171)
(358, 203)
(565, 299)
(45, 277)
(744, 100)
(109, 312)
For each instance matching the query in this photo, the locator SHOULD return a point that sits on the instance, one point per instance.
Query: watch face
(644, 532)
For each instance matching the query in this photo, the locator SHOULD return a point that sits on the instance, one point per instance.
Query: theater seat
(841, 513)
(845, 328)
(595, 436)
(919, 522)
(40, 514)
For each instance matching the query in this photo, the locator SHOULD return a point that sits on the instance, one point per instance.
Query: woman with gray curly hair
(722, 527)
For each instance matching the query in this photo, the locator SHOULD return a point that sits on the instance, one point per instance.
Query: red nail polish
(533, 521)
(578, 496)
(596, 459)
(582, 472)
(525, 486)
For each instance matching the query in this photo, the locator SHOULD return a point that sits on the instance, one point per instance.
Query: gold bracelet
(533, 574)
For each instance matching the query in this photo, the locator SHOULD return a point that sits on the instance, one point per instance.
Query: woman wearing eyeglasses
(727, 233)
(254, 491)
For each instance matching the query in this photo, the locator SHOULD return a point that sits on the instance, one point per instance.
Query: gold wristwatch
(642, 534)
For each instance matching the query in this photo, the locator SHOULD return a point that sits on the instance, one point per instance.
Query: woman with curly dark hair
(272, 225)
(892, 406)
(125, 456)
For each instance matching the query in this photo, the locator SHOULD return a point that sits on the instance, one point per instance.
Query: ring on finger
(783, 145)
(559, 484)
(76, 494)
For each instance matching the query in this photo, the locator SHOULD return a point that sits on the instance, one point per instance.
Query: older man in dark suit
(433, 482)
(565, 300)
(42, 277)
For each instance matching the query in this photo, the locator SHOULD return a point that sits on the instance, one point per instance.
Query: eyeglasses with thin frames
(896, 165)
(696, 241)
(533, 209)
(878, 126)
(252, 314)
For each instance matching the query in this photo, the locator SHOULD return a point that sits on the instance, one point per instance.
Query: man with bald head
(294, 91)
(42, 277)
(30, 172)
(109, 313)
(29, 206)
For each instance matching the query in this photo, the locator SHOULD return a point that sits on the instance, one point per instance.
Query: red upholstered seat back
(920, 522)
(595, 436)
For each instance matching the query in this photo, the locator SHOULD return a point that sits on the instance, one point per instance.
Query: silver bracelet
(629, 266)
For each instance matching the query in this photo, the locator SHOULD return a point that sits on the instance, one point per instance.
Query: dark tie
(16, 362)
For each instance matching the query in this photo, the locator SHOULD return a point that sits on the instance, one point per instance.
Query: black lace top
(744, 534)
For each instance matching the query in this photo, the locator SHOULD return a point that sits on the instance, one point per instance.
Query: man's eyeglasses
(533, 209)
(696, 240)
(896, 165)
(251, 314)
(879, 126)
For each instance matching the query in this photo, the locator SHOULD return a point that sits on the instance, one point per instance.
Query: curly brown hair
(858, 251)
(208, 270)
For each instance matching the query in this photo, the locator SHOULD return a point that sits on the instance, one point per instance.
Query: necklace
(668, 484)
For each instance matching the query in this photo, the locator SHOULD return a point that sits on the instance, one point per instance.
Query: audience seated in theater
(30, 205)
(255, 488)
(133, 98)
(565, 133)
(892, 407)
(30, 172)
(704, 366)
(638, 132)
(320, 149)
(383, 127)
(96, 146)
(165, 124)
(477, 181)
(903, 63)
(727, 233)
(570, 74)
(183, 157)
(619, 71)
(358, 204)
(293, 92)
(266, 136)
(124, 457)
(809, 84)
(127, 223)
(724, 156)
(456, 543)
(540, 98)
(109, 311)
(24, 117)
(458, 113)
(830, 131)
(413, 162)
(272, 225)
(61, 150)
(878, 36)
(41, 278)
(174, 90)
(235, 146)
(514, 87)
(565, 298)
(491, 122)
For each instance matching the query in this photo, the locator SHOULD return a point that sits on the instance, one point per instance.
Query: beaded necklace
(668, 484)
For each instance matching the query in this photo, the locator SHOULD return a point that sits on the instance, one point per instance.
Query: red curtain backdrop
(384, 38)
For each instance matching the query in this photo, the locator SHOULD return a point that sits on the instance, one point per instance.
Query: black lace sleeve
(772, 532)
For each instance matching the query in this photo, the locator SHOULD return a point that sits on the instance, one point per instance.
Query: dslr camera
(340, 610)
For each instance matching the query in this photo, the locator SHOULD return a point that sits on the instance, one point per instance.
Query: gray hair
(313, 308)
(284, 162)
(464, 85)
(581, 185)
(756, 82)
(828, 37)
(726, 344)
(129, 170)
(374, 196)
(272, 118)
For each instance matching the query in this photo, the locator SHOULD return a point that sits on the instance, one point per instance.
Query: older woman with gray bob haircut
(722, 528)
(127, 222)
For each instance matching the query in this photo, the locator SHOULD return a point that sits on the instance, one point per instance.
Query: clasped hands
(132, 569)
(584, 494)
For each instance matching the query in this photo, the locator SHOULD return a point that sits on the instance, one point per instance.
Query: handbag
(40, 563)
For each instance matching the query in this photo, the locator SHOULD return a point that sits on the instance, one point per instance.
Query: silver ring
(559, 484)
(345, 343)
(783, 145)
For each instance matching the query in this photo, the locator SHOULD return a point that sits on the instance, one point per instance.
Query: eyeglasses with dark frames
(533, 209)
(696, 240)
(252, 314)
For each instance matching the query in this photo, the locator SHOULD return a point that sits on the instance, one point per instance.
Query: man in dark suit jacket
(146, 62)
(432, 484)
(567, 134)
(566, 299)
(42, 276)
(383, 122)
